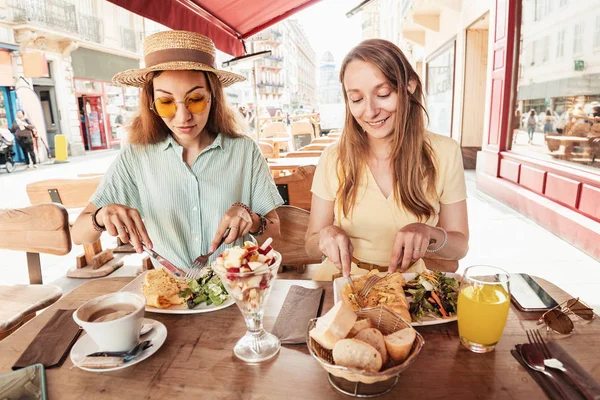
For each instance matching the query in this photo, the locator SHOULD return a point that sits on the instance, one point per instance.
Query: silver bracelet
(443, 242)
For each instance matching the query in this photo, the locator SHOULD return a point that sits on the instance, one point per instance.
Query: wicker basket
(384, 320)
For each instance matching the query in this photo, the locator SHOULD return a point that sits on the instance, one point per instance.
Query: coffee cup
(113, 321)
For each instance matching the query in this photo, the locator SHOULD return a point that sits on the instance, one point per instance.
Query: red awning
(226, 22)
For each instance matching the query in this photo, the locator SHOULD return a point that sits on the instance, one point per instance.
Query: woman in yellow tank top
(389, 192)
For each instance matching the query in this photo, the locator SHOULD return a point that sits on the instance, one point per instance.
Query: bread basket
(387, 322)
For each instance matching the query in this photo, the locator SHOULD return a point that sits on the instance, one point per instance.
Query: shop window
(440, 90)
(556, 114)
(597, 34)
(560, 45)
(578, 38)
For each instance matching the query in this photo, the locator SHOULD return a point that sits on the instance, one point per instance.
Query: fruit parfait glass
(248, 274)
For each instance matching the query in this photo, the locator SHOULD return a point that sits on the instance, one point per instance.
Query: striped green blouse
(181, 205)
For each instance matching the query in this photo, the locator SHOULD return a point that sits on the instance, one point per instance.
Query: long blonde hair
(148, 128)
(413, 162)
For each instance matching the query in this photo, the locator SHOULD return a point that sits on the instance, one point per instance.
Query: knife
(164, 262)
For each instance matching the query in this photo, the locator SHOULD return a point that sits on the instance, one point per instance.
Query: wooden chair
(295, 188)
(302, 133)
(324, 140)
(75, 194)
(274, 129)
(311, 153)
(294, 223)
(313, 147)
(37, 229)
(267, 149)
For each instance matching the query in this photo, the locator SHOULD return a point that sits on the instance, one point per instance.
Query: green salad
(206, 289)
(432, 294)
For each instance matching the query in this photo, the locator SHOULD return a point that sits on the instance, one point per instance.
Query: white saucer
(85, 346)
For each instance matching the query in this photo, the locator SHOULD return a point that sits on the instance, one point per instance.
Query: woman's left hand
(410, 244)
(238, 219)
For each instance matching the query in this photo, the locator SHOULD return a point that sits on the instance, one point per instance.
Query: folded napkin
(300, 306)
(546, 384)
(52, 344)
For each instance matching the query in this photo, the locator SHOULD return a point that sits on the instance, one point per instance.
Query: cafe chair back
(37, 229)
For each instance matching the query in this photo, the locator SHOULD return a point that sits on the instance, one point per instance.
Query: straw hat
(175, 51)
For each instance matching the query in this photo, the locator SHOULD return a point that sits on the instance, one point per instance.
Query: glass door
(94, 122)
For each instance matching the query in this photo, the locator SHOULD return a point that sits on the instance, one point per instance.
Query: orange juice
(482, 312)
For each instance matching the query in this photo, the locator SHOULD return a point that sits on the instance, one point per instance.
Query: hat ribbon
(171, 55)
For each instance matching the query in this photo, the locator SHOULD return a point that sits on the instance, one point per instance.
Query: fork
(535, 360)
(369, 284)
(356, 295)
(199, 263)
(537, 339)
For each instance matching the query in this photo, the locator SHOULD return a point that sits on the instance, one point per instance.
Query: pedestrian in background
(26, 136)
(548, 122)
(516, 124)
(531, 124)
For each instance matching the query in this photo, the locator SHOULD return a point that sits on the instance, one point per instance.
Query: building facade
(447, 41)
(371, 20)
(66, 54)
(559, 188)
(330, 87)
(286, 79)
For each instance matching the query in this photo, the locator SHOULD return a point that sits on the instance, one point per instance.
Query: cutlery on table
(146, 328)
(373, 279)
(127, 355)
(537, 340)
(200, 261)
(163, 261)
(356, 295)
(535, 360)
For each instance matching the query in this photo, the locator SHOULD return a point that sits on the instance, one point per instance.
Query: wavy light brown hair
(413, 161)
(148, 128)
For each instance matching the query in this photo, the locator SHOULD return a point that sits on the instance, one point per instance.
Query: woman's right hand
(126, 223)
(335, 244)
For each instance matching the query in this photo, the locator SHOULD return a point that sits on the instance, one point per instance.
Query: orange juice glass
(483, 303)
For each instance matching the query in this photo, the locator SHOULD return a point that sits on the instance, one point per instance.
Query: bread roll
(353, 353)
(399, 343)
(359, 326)
(334, 325)
(374, 337)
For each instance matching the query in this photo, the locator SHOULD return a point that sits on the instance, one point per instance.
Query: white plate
(85, 345)
(338, 286)
(135, 286)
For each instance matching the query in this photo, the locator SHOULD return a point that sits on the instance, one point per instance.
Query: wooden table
(283, 164)
(197, 360)
(566, 144)
(275, 141)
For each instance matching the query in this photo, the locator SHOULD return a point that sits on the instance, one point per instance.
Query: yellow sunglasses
(166, 107)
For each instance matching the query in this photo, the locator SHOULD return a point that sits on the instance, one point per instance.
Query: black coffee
(112, 312)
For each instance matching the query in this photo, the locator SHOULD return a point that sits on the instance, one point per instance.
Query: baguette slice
(375, 338)
(399, 343)
(359, 326)
(353, 353)
(334, 325)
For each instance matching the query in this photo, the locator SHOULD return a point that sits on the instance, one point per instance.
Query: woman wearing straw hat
(186, 175)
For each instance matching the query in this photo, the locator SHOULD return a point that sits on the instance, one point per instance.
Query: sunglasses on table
(558, 319)
(166, 107)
